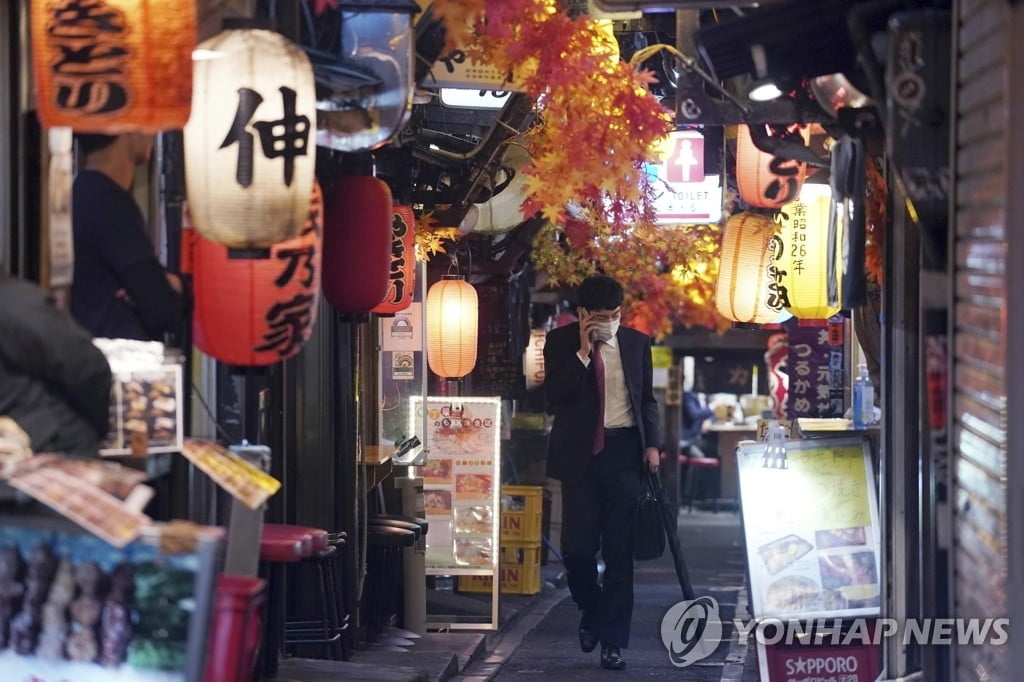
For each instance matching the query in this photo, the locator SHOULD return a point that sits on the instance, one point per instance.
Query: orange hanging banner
(402, 277)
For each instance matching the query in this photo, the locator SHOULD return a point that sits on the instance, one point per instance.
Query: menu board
(146, 414)
(812, 530)
(461, 482)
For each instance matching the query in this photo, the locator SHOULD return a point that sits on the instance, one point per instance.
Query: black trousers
(597, 514)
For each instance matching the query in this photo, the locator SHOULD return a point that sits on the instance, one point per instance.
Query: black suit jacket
(571, 393)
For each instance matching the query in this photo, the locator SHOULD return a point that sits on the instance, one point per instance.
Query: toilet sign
(685, 162)
(683, 193)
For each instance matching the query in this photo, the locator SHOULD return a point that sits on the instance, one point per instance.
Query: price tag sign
(240, 479)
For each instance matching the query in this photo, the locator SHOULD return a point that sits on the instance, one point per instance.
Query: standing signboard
(812, 534)
(461, 486)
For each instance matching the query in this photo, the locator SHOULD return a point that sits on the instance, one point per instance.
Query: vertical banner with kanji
(815, 368)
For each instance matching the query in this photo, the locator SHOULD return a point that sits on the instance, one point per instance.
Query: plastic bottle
(863, 399)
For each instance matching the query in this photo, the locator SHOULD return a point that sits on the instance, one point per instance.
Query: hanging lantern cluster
(357, 244)
(748, 276)
(402, 274)
(451, 324)
(255, 311)
(764, 180)
(249, 157)
(110, 66)
(812, 235)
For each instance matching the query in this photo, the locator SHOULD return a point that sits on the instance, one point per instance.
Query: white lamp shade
(743, 292)
(249, 157)
(810, 257)
(533, 359)
(452, 310)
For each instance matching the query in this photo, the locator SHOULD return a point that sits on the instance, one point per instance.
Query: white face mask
(605, 331)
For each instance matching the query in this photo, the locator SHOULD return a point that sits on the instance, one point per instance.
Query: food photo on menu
(438, 470)
(838, 571)
(474, 486)
(474, 519)
(473, 551)
(437, 502)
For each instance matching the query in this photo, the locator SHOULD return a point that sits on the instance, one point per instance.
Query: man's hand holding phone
(587, 330)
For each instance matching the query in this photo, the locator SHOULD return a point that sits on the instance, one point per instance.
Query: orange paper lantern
(747, 273)
(108, 66)
(452, 311)
(402, 277)
(766, 181)
(257, 311)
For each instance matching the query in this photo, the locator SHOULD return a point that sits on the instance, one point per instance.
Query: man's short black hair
(93, 142)
(599, 293)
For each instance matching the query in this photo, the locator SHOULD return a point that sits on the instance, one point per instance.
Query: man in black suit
(598, 384)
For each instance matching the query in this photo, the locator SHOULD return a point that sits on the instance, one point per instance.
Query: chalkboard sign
(812, 529)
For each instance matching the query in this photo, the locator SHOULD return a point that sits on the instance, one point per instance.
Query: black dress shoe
(588, 638)
(611, 658)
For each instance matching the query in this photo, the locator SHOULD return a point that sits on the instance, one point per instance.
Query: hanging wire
(202, 401)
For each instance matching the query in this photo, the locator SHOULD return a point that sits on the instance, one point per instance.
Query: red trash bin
(235, 629)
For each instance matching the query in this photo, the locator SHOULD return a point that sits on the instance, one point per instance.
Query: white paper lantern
(452, 310)
(249, 157)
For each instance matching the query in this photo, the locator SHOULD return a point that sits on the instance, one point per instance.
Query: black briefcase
(649, 522)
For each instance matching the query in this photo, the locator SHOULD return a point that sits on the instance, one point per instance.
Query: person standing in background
(599, 387)
(120, 289)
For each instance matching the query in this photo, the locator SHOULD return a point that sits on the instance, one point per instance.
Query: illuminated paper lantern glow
(452, 318)
(812, 235)
(745, 290)
(110, 66)
(764, 180)
(257, 311)
(249, 161)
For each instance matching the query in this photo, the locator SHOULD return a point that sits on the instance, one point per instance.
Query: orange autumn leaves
(598, 124)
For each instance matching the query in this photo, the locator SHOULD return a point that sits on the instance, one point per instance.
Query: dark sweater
(53, 381)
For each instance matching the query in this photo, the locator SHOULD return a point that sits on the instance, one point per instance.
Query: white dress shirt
(618, 412)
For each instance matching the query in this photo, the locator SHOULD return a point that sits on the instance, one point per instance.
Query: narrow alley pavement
(549, 650)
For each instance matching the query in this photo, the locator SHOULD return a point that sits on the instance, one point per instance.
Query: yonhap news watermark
(692, 630)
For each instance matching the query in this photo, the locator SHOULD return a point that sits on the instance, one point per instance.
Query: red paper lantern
(764, 180)
(108, 66)
(257, 311)
(402, 276)
(357, 244)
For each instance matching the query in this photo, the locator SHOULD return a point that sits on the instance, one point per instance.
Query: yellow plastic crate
(521, 513)
(520, 571)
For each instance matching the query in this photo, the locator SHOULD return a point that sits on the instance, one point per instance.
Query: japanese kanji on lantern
(249, 161)
(764, 180)
(108, 66)
(748, 275)
(357, 244)
(812, 235)
(401, 277)
(256, 311)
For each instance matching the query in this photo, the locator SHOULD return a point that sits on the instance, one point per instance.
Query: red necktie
(598, 361)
